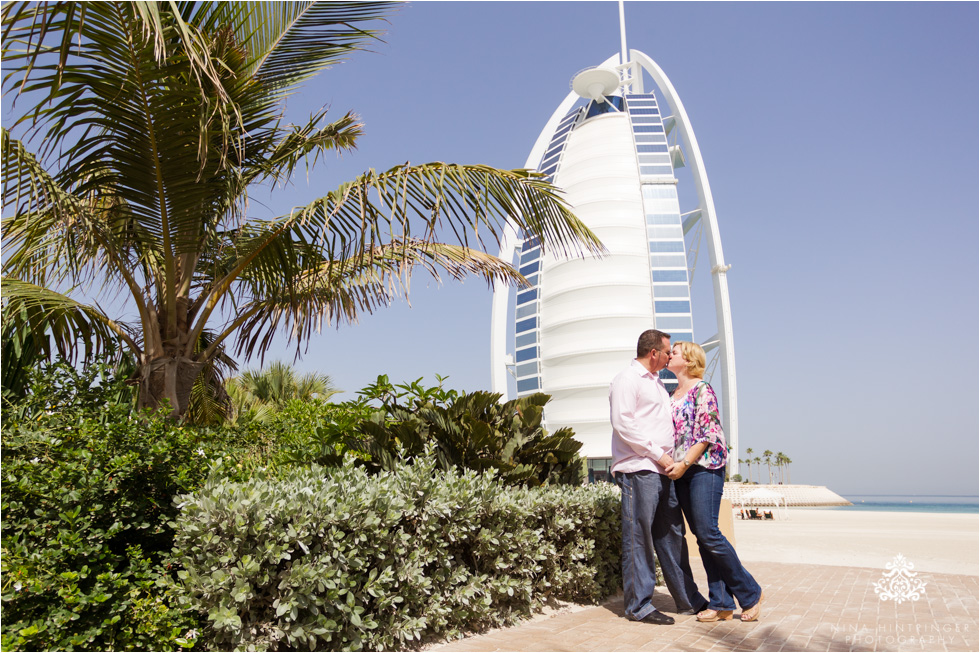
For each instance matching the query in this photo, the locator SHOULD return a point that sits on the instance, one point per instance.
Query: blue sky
(841, 144)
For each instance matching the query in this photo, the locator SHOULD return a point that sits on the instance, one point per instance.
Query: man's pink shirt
(643, 427)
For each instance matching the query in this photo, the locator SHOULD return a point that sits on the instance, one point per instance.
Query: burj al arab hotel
(613, 146)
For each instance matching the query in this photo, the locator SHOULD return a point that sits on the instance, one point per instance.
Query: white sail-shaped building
(612, 148)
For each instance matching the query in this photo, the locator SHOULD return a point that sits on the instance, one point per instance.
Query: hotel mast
(613, 148)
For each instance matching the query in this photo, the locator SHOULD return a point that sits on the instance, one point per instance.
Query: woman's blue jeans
(652, 522)
(699, 492)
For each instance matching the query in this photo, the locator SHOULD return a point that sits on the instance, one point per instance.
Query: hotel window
(663, 218)
(667, 246)
(662, 232)
(529, 295)
(600, 470)
(527, 385)
(532, 255)
(531, 243)
(527, 369)
(670, 291)
(672, 307)
(527, 325)
(671, 322)
(527, 309)
(659, 191)
(670, 275)
(530, 268)
(527, 339)
(668, 260)
(526, 354)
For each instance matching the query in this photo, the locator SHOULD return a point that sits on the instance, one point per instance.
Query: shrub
(314, 432)
(342, 560)
(471, 431)
(87, 494)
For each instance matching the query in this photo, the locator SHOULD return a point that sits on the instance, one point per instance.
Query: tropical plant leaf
(57, 323)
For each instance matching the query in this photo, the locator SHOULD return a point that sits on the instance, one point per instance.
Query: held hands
(676, 470)
(673, 470)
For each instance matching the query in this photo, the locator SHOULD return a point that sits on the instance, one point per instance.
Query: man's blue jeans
(652, 522)
(699, 492)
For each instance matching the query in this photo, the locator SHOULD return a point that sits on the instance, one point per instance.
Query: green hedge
(86, 503)
(338, 559)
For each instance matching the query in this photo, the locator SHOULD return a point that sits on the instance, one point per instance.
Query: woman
(700, 454)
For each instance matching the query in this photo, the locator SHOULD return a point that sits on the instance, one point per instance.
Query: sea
(913, 503)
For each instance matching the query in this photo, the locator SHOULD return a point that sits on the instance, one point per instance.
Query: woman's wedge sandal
(715, 615)
(751, 614)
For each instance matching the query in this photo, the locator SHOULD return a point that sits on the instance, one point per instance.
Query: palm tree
(780, 461)
(748, 461)
(758, 461)
(153, 122)
(787, 461)
(257, 394)
(767, 459)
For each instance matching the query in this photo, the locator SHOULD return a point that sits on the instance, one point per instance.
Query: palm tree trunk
(170, 379)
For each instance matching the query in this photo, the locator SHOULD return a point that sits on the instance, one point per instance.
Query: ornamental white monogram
(899, 583)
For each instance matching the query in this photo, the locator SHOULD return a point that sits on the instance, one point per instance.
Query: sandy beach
(946, 543)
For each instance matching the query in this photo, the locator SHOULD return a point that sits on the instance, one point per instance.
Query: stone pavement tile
(807, 607)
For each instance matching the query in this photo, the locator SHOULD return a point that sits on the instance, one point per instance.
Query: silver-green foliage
(337, 559)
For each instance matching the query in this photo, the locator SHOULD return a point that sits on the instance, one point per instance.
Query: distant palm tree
(758, 461)
(255, 395)
(780, 462)
(748, 476)
(787, 462)
(748, 461)
(767, 458)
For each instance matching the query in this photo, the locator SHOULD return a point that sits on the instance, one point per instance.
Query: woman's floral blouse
(696, 419)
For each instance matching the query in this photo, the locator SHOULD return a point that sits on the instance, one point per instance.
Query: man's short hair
(649, 340)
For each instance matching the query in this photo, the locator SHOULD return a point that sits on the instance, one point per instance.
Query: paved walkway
(807, 608)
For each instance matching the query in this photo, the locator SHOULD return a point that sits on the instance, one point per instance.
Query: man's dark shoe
(659, 618)
(691, 611)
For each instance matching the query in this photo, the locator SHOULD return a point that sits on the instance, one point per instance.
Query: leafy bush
(470, 431)
(87, 494)
(314, 432)
(342, 560)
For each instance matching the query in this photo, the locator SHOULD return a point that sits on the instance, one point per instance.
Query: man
(642, 441)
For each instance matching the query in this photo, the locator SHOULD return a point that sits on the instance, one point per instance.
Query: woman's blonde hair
(694, 356)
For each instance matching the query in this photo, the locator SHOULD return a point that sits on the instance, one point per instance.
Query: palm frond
(289, 42)
(417, 201)
(297, 143)
(40, 207)
(50, 318)
(337, 292)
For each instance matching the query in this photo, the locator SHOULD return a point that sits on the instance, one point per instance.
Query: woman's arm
(677, 470)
